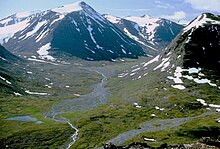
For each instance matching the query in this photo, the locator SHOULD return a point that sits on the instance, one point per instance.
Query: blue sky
(176, 10)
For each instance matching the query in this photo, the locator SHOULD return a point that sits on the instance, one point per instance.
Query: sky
(175, 10)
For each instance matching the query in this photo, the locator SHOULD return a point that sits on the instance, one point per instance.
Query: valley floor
(89, 104)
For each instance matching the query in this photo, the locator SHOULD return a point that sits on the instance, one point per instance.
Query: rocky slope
(8, 82)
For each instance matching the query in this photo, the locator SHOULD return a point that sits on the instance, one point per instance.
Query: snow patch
(59, 18)
(44, 54)
(48, 86)
(201, 81)
(42, 34)
(148, 139)
(3, 58)
(214, 106)
(36, 28)
(130, 35)
(135, 69)
(5, 21)
(89, 28)
(5, 80)
(35, 93)
(29, 72)
(165, 63)
(133, 73)
(152, 61)
(137, 105)
(153, 115)
(17, 94)
(202, 102)
(194, 70)
(176, 80)
(158, 108)
(124, 51)
(78, 95)
(180, 87)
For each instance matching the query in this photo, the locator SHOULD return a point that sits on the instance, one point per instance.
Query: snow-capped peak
(200, 21)
(65, 9)
(147, 23)
(79, 6)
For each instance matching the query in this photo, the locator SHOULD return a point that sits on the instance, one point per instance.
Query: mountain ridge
(90, 40)
(153, 34)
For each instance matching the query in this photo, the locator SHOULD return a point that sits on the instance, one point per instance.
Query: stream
(85, 102)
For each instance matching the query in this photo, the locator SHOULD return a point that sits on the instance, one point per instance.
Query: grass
(31, 135)
(18, 134)
(105, 121)
(190, 132)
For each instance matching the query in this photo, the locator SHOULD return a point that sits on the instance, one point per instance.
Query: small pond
(24, 118)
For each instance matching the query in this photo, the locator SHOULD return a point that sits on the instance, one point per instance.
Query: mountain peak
(201, 20)
(78, 6)
(146, 16)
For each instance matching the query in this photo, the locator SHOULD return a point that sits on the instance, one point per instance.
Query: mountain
(8, 82)
(75, 30)
(193, 55)
(199, 43)
(151, 33)
(197, 46)
(182, 83)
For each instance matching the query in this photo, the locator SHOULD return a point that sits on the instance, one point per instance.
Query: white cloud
(178, 15)
(210, 5)
(162, 5)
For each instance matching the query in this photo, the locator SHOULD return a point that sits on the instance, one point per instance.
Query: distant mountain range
(78, 30)
(75, 29)
(153, 34)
